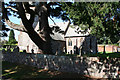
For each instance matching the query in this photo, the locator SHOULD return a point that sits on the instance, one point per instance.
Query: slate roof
(118, 41)
(72, 32)
(58, 31)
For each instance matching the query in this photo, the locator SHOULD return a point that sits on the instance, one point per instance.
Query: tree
(12, 39)
(43, 10)
(103, 19)
(3, 29)
(95, 15)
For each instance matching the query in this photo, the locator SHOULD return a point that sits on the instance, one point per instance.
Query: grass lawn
(108, 54)
(99, 54)
(15, 71)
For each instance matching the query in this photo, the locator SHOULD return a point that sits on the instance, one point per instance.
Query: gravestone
(24, 51)
(16, 50)
(8, 51)
(32, 51)
(3, 51)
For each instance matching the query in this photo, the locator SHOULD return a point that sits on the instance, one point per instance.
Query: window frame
(69, 42)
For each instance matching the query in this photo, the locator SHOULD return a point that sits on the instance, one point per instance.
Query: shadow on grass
(16, 71)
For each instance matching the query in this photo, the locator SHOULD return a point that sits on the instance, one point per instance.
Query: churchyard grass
(107, 54)
(99, 54)
(14, 71)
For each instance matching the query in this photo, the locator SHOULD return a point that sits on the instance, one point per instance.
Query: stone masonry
(92, 66)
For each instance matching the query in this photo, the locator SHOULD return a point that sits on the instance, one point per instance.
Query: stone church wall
(25, 43)
(85, 44)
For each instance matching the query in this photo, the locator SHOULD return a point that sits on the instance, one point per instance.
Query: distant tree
(12, 39)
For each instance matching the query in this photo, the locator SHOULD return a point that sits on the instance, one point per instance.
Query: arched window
(69, 42)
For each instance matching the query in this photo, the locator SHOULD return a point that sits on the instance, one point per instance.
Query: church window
(69, 42)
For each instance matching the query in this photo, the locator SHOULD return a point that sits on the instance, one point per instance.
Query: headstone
(32, 51)
(16, 50)
(8, 51)
(24, 51)
(70, 51)
(3, 51)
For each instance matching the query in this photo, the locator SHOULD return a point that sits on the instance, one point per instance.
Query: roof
(118, 41)
(72, 32)
(58, 30)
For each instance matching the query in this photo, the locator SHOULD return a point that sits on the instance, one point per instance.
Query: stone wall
(92, 66)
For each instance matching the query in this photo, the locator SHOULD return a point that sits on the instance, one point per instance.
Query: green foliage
(103, 18)
(12, 39)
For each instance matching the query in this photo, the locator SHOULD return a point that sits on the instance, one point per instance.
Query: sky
(17, 21)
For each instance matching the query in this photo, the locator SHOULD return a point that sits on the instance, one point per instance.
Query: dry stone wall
(91, 66)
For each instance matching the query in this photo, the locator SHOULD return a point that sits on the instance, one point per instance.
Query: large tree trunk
(44, 29)
(41, 39)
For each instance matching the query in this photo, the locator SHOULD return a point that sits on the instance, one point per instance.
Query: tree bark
(41, 39)
(44, 29)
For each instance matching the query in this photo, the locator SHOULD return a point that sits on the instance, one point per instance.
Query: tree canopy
(42, 10)
(102, 18)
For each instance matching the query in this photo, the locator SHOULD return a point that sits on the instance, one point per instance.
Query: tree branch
(30, 11)
(9, 7)
(11, 24)
(28, 25)
(15, 26)
(52, 20)
(67, 26)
